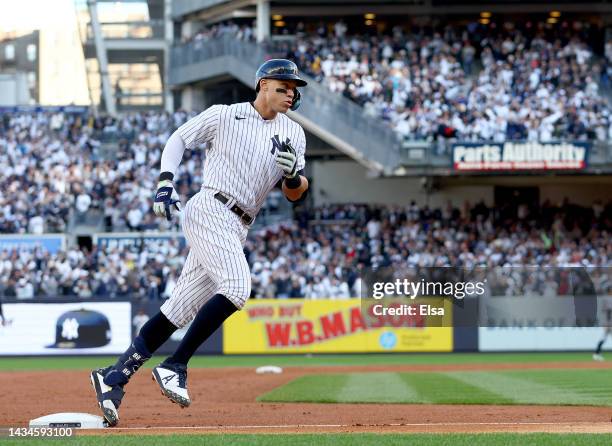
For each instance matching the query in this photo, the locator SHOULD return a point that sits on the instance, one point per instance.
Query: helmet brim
(284, 77)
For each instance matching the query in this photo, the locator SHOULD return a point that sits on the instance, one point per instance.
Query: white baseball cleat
(109, 397)
(172, 379)
(597, 357)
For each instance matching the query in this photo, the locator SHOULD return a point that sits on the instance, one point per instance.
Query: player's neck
(263, 108)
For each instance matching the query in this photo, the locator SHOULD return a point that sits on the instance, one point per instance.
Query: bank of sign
(520, 156)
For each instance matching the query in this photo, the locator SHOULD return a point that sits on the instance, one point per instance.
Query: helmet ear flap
(297, 99)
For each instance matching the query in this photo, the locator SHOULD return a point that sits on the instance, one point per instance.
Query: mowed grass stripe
(563, 387)
(594, 386)
(440, 388)
(521, 388)
(345, 388)
(376, 387)
(310, 388)
(415, 388)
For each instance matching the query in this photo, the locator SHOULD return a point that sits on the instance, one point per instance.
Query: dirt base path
(224, 402)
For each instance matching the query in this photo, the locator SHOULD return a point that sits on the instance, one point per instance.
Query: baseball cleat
(597, 357)
(172, 379)
(109, 397)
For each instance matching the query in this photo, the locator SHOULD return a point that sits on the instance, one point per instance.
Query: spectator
(327, 259)
(24, 289)
(139, 320)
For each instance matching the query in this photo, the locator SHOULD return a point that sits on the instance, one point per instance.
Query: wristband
(293, 182)
(166, 176)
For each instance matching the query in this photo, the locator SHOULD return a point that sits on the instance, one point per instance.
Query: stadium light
(369, 16)
(485, 15)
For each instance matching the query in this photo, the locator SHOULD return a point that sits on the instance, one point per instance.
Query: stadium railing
(333, 115)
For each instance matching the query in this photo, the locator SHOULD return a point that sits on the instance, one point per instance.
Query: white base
(70, 419)
(269, 369)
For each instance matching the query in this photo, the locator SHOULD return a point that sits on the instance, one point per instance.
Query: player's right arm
(194, 133)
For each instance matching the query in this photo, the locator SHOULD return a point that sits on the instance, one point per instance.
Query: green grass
(555, 386)
(333, 440)
(89, 362)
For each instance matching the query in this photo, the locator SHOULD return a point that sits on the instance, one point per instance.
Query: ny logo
(277, 144)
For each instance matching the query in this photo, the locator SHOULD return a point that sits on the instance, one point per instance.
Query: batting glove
(166, 198)
(286, 159)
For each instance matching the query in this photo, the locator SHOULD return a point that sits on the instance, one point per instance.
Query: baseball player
(607, 331)
(252, 146)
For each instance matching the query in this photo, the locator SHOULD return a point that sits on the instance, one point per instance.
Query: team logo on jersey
(277, 144)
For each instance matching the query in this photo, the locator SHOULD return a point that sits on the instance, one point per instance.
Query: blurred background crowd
(323, 253)
(523, 81)
(516, 82)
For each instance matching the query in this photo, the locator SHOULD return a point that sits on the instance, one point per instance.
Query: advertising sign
(77, 328)
(520, 156)
(316, 326)
(51, 243)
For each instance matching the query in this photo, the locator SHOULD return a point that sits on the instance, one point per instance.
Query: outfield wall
(74, 327)
(275, 326)
(538, 338)
(65, 328)
(272, 326)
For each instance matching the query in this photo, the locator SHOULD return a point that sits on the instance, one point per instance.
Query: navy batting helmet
(281, 69)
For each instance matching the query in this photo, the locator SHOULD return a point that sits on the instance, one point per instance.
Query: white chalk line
(297, 426)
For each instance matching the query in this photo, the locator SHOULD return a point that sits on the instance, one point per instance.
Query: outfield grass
(89, 362)
(333, 440)
(555, 386)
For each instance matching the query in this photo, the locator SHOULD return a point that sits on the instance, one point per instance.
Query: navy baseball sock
(152, 335)
(156, 331)
(599, 346)
(128, 363)
(209, 318)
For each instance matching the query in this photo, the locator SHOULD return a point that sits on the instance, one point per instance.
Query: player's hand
(286, 159)
(166, 199)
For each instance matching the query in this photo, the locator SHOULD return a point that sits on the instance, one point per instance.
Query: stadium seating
(523, 82)
(470, 83)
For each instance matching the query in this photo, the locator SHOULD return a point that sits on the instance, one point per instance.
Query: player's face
(279, 94)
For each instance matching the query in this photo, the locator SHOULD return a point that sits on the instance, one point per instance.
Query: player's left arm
(295, 184)
(296, 188)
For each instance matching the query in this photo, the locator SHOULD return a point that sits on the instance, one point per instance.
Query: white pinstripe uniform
(240, 163)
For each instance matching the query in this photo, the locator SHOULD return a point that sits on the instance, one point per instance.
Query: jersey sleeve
(301, 150)
(202, 128)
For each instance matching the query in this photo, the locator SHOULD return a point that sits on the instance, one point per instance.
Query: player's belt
(246, 218)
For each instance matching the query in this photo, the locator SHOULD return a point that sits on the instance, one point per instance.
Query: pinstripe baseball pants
(215, 264)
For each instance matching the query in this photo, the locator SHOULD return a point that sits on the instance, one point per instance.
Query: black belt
(246, 218)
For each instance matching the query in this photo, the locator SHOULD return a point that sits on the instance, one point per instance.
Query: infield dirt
(224, 401)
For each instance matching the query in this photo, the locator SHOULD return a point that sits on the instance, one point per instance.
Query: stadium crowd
(468, 83)
(53, 166)
(535, 83)
(527, 81)
(324, 252)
